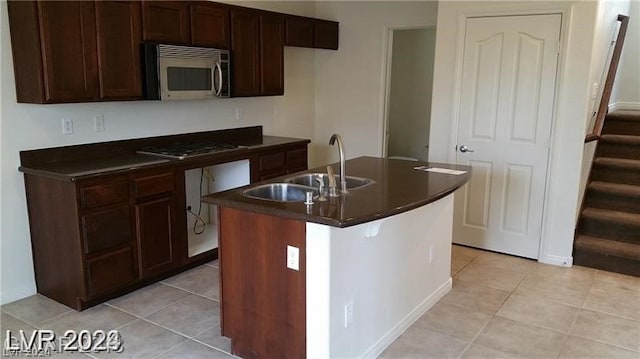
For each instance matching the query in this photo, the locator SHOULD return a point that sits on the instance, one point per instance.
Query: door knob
(464, 148)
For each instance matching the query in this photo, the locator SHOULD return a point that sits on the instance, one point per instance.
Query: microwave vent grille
(175, 51)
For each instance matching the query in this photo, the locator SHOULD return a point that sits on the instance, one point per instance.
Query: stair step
(622, 122)
(609, 224)
(613, 196)
(624, 115)
(632, 165)
(616, 188)
(621, 139)
(608, 255)
(619, 146)
(617, 170)
(609, 247)
(632, 219)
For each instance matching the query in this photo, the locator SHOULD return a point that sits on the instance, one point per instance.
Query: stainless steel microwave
(173, 72)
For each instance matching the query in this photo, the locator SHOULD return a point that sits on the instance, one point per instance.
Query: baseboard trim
(557, 260)
(378, 347)
(624, 106)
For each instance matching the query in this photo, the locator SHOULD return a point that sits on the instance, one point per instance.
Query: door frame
(463, 15)
(386, 65)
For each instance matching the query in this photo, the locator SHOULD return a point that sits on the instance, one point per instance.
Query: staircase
(608, 233)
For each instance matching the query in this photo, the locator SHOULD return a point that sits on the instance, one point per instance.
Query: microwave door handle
(219, 72)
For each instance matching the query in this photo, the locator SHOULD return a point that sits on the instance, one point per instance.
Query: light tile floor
(500, 307)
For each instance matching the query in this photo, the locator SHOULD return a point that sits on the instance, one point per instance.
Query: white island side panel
(392, 270)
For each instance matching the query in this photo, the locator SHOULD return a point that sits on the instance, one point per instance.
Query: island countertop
(397, 188)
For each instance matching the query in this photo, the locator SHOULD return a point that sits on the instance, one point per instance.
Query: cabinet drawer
(272, 161)
(111, 271)
(154, 184)
(106, 229)
(105, 193)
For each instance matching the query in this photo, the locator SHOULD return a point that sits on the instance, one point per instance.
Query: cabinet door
(119, 35)
(166, 21)
(245, 43)
(106, 229)
(68, 36)
(154, 233)
(325, 34)
(272, 54)
(299, 31)
(209, 24)
(111, 271)
(297, 160)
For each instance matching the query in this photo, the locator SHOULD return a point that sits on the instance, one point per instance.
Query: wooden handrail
(608, 85)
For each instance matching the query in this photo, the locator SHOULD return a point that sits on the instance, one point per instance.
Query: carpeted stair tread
(625, 218)
(623, 163)
(620, 139)
(624, 115)
(608, 232)
(616, 188)
(608, 247)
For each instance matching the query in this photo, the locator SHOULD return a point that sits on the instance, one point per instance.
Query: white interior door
(506, 112)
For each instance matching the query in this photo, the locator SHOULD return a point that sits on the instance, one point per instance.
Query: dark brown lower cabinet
(111, 271)
(96, 237)
(100, 236)
(272, 164)
(154, 234)
(263, 302)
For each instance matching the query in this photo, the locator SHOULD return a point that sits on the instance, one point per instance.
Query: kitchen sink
(280, 192)
(308, 179)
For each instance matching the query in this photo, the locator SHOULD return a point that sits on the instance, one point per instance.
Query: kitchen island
(339, 278)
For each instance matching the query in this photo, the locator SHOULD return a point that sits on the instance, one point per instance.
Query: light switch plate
(67, 126)
(98, 123)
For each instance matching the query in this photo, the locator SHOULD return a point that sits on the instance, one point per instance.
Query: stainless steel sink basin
(308, 179)
(280, 192)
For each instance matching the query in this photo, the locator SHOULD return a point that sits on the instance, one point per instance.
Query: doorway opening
(409, 87)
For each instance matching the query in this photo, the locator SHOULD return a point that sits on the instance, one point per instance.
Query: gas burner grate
(184, 150)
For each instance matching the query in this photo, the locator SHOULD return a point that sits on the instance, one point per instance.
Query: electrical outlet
(595, 89)
(238, 114)
(430, 254)
(348, 314)
(67, 126)
(98, 123)
(293, 257)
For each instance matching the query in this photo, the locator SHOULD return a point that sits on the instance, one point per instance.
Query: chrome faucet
(343, 175)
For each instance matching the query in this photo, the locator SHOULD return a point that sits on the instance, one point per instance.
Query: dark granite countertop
(398, 188)
(79, 162)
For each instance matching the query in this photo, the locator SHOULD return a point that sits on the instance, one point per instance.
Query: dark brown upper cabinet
(245, 44)
(210, 24)
(76, 51)
(271, 54)
(166, 21)
(325, 34)
(258, 53)
(54, 51)
(308, 32)
(298, 31)
(119, 35)
(83, 51)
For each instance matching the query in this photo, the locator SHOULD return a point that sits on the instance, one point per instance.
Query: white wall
(350, 83)
(628, 81)
(410, 92)
(384, 269)
(570, 112)
(26, 126)
(605, 31)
